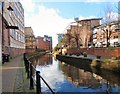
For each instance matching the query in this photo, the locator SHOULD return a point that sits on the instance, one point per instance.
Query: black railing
(29, 70)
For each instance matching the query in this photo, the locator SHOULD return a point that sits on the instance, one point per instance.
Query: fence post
(31, 79)
(24, 55)
(38, 82)
(28, 76)
(25, 61)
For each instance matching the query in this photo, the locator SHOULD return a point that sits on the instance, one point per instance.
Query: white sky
(45, 22)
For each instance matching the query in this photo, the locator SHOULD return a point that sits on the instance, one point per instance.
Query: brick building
(30, 42)
(80, 32)
(44, 43)
(5, 39)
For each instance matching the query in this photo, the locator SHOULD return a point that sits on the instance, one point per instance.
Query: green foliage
(55, 49)
(63, 41)
(111, 48)
(96, 63)
(107, 61)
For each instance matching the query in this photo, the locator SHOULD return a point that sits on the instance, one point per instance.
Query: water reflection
(42, 60)
(82, 78)
(63, 77)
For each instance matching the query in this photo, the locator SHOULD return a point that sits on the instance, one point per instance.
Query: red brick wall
(104, 52)
(40, 42)
(43, 44)
(6, 40)
(16, 51)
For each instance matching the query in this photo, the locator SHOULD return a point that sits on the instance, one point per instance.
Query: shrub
(96, 63)
(84, 54)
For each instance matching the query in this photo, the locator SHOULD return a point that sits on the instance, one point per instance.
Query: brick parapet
(103, 52)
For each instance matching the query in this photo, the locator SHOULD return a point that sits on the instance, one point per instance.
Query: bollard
(31, 79)
(38, 82)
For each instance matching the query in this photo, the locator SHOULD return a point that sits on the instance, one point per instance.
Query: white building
(107, 32)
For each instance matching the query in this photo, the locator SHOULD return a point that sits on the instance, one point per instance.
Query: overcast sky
(51, 18)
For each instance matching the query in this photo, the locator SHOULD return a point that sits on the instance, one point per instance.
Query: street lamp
(7, 27)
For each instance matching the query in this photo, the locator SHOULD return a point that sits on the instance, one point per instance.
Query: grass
(108, 64)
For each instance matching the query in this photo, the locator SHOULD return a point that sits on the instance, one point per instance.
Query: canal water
(63, 77)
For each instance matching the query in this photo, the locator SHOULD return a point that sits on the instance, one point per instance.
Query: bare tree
(109, 16)
(75, 34)
(108, 33)
(69, 37)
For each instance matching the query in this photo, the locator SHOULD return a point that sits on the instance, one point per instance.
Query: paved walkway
(14, 77)
(9, 71)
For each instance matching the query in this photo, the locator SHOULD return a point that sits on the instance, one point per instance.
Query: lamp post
(2, 34)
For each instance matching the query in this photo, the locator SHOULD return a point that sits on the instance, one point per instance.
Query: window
(115, 37)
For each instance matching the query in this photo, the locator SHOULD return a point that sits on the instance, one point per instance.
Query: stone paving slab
(9, 70)
(14, 79)
(22, 82)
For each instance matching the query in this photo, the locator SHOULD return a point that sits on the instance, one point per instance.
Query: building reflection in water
(79, 77)
(43, 60)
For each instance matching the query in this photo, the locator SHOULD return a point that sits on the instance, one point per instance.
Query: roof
(110, 23)
(91, 19)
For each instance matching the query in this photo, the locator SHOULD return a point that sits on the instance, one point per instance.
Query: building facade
(0, 39)
(80, 33)
(14, 40)
(44, 43)
(30, 42)
(107, 34)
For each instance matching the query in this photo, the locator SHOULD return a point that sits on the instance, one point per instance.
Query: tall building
(30, 42)
(59, 37)
(13, 17)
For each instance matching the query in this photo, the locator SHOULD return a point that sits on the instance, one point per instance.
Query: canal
(63, 77)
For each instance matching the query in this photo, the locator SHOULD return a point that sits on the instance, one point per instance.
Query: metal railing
(29, 70)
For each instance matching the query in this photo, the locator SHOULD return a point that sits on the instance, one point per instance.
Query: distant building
(44, 43)
(110, 30)
(30, 42)
(59, 37)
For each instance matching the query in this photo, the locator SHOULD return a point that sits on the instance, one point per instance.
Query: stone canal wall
(77, 62)
(88, 64)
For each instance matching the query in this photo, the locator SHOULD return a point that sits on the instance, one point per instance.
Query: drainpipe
(2, 26)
